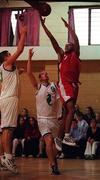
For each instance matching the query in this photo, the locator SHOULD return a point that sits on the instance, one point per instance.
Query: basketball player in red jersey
(69, 71)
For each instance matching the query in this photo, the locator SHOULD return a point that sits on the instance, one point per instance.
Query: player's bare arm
(74, 36)
(29, 69)
(11, 59)
(54, 43)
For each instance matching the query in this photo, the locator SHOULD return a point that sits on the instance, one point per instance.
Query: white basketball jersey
(46, 101)
(9, 82)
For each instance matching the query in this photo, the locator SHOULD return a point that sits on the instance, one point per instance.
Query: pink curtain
(5, 26)
(31, 18)
(71, 22)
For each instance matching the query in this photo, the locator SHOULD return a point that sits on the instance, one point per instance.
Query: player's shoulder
(37, 89)
(54, 86)
(1, 66)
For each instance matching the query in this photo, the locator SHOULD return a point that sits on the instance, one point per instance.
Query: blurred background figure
(32, 136)
(93, 140)
(98, 119)
(19, 136)
(89, 114)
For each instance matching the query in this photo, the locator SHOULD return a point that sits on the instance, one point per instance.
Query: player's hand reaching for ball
(30, 53)
(65, 22)
(42, 20)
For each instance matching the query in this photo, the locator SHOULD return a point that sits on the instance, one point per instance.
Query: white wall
(54, 23)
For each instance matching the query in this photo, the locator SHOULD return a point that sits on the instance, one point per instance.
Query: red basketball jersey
(70, 68)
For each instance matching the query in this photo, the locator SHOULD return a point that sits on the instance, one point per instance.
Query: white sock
(8, 156)
(66, 134)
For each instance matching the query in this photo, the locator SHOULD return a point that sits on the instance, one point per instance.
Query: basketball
(44, 9)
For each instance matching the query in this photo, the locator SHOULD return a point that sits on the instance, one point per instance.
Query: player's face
(7, 56)
(44, 76)
(69, 47)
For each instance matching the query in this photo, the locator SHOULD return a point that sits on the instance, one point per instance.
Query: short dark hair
(3, 54)
(79, 114)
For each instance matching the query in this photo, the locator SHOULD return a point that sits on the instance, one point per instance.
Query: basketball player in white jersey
(48, 106)
(9, 96)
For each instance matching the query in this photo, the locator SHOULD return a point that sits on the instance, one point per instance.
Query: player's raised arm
(54, 42)
(12, 58)
(74, 36)
(29, 69)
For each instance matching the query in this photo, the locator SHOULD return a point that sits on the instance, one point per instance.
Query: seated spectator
(93, 140)
(78, 132)
(32, 136)
(81, 130)
(98, 119)
(79, 138)
(77, 108)
(25, 114)
(74, 131)
(82, 124)
(18, 135)
(89, 114)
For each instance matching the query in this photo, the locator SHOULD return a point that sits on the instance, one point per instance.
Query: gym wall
(45, 58)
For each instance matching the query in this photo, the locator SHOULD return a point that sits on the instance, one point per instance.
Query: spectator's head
(74, 124)
(93, 123)
(24, 112)
(78, 115)
(21, 121)
(97, 117)
(4, 56)
(77, 108)
(32, 121)
(89, 111)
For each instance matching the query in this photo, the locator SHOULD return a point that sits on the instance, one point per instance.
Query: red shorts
(68, 91)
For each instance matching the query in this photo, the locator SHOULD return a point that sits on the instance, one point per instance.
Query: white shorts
(48, 125)
(9, 111)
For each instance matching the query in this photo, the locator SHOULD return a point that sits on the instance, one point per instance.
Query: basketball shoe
(2, 168)
(68, 140)
(58, 144)
(9, 164)
(55, 170)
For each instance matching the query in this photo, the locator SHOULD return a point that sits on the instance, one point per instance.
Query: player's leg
(8, 123)
(68, 120)
(45, 129)
(51, 153)
(68, 94)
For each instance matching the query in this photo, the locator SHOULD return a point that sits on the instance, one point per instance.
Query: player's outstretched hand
(65, 22)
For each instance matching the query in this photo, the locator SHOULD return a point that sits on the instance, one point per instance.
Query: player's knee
(48, 140)
(9, 130)
(70, 107)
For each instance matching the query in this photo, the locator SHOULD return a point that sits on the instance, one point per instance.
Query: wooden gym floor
(37, 169)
